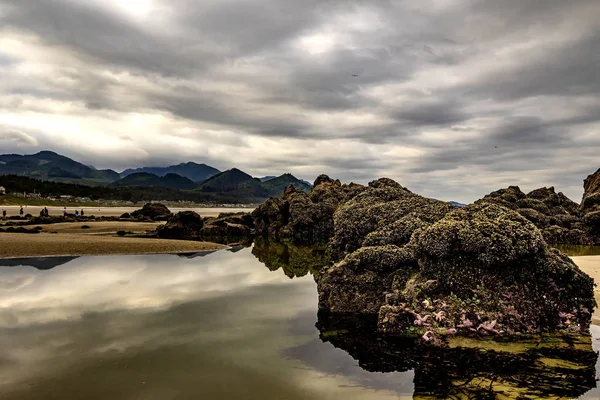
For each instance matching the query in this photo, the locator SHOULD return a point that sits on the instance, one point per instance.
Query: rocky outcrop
(428, 268)
(185, 225)
(590, 204)
(303, 218)
(227, 228)
(152, 211)
(553, 213)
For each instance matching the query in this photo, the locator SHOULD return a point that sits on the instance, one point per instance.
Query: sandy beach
(117, 211)
(591, 266)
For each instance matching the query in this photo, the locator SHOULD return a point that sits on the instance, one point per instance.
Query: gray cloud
(504, 93)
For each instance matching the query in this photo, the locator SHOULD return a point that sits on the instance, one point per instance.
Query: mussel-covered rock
(384, 213)
(426, 266)
(554, 213)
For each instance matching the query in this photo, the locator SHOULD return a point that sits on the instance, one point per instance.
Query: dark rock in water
(185, 225)
(303, 218)
(20, 229)
(552, 367)
(226, 228)
(154, 211)
(295, 261)
(125, 216)
(229, 228)
(423, 265)
(554, 213)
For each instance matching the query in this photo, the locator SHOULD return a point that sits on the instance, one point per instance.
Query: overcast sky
(452, 98)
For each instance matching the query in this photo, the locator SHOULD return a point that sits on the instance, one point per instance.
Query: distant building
(2, 191)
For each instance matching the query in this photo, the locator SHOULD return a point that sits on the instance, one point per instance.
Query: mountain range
(47, 165)
(199, 181)
(192, 171)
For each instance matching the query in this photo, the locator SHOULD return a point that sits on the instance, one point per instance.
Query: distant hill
(457, 204)
(277, 185)
(172, 181)
(226, 181)
(267, 178)
(48, 165)
(192, 171)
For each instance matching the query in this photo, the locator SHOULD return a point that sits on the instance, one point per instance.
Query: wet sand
(19, 245)
(117, 211)
(98, 228)
(591, 266)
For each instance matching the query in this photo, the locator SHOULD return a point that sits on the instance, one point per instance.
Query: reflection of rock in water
(191, 256)
(296, 261)
(549, 367)
(41, 263)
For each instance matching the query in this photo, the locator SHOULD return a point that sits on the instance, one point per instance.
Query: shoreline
(114, 254)
(116, 211)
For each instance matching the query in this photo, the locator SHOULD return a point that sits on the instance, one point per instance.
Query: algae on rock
(544, 367)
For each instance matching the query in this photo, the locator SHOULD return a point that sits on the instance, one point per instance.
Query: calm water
(225, 326)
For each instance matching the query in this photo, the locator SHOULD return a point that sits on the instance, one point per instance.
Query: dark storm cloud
(509, 89)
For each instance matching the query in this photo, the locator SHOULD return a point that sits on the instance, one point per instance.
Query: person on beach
(81, 212)
(46, 212)
(76, 213)
(42, 213)
(21, 211)
(3, 214)
(65, 212)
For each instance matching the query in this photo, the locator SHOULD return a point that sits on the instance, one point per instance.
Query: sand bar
(18, 245)
(117, 211)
